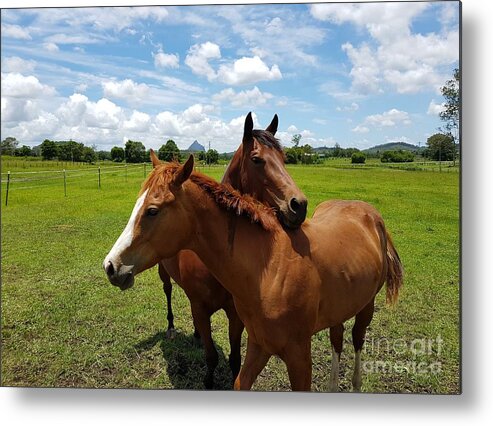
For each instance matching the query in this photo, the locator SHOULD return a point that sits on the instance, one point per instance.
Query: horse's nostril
(110, 269)
(294, 205)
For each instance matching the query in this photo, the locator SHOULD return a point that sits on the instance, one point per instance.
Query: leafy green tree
(397, 156)
(169, 151)
(117, 154)
(70, 151)
(24, 151)
(441, 147)
(211, 156)
(135, 152)
(450, 115)
(307, 155)
(291, 155)
(89, 155)
(295, 140)
(104, 155)
(358, 158)
(348, 152)
(337, 151)
(9, 146)
(201, 155)
(49, 150)
(452, 102)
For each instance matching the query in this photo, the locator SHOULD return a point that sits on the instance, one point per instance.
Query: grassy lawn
(63, 324)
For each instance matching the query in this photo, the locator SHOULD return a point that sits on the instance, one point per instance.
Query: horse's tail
(394, 271)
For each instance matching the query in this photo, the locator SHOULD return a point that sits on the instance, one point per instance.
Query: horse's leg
(202, 322)
(336, 338)
(363, 319)
(255, 360)
(298, 359)
(167, 288)
(235, 330)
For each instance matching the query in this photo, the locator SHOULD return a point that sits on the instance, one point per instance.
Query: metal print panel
(288, 174)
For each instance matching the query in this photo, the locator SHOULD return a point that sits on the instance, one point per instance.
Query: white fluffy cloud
(80, 111)
(72, 112)
(51, 47)
(103, 114)
(360, 129)
(16, 85)
(18, 65)
(407, 62)
(434, 108)
(198, 58)
(166, 60)
(126, 89)
(138, 122)
(382, 20)
(15, 31)
(247, 71)
(18, 110)
(389, 118)
(251, 98)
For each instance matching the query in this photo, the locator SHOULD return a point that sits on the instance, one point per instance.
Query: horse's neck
(235, 250)
(232, 174)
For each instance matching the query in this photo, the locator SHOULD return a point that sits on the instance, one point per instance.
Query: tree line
(132, 152)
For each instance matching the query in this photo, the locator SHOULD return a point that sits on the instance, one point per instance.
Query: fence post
(8, 185)
(99, 177)
(65, 182)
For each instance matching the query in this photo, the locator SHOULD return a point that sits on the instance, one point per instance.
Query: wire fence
(44, 184)
(63, 181)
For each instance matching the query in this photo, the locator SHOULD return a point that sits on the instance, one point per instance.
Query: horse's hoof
(170, 333)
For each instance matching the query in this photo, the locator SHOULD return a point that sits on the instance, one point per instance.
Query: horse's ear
(248, 130)
(154, 159)
(272, 128)
(184, 172)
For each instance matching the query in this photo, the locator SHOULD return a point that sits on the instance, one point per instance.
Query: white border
(124, 407)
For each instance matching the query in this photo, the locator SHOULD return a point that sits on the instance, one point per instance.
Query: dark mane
(268, 139)
(224, 195)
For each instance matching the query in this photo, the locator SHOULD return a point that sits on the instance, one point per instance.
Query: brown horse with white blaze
(286, 284)
(257, 168)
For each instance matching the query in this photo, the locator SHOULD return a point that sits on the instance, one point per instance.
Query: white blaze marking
(127, 235)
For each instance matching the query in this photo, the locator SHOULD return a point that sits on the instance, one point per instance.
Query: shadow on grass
(185, 358)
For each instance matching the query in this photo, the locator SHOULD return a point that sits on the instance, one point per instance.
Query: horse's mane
(268, 139)
(224, 195)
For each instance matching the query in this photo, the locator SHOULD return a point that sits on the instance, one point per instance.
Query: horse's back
(344, 209)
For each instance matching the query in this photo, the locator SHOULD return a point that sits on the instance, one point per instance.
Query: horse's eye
(257, 160)
(152, 211)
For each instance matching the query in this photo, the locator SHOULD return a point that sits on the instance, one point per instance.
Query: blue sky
(356, 74)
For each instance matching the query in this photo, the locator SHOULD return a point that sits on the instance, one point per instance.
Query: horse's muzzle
(295, 214)
(121, 277)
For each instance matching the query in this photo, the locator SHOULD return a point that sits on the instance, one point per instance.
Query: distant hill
(196, 147)
(392, 146)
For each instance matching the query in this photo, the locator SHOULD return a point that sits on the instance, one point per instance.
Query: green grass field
(63, 324)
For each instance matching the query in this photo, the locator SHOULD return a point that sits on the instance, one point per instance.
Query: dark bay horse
(257, 168)
(286, 284)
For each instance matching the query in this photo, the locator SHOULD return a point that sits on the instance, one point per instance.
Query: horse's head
(258, 168)
(156, 215)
